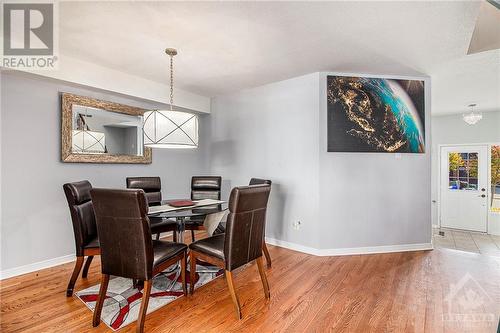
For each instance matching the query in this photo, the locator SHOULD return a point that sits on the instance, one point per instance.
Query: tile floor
(467, 241)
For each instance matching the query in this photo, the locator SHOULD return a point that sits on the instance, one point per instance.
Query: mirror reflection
(98, 131)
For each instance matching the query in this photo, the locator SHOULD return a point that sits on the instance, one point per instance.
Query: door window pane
(473, 183)
(463, 171)
(453, 184)
(495, 179)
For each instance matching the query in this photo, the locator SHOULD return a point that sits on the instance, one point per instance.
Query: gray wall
(374, 199)
(453, 130)
(35, 221)
(278, 131)
(272, 132)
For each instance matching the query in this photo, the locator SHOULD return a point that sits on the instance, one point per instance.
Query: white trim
(350, 251)
(16, 271)
(11, 272)
(20, 270)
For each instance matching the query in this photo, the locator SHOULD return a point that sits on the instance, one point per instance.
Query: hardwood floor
(396, 292)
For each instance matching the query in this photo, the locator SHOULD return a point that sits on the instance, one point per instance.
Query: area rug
(123, 301)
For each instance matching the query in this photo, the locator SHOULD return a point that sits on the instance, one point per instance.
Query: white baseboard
(352, 250)
(11, 272)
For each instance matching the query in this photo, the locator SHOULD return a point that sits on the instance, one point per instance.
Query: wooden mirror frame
(67, 102)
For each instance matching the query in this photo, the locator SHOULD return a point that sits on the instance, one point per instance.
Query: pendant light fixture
(84, 140)
(169, 128)
(472, 118)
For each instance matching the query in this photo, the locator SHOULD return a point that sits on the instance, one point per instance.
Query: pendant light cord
(171, 81)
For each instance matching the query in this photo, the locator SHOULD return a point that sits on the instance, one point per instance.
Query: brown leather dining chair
(127, 249)
(152, 189)
(221, 228)
(259, 181)
(84, 228)
(242, 241)
(203, 187)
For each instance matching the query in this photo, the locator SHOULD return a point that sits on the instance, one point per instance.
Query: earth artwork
(375, 115)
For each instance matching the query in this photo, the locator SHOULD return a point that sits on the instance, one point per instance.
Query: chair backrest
(206, 187)
(150, 185)
(82, 213)
(259, 181)
(124, 233)
(245, 224)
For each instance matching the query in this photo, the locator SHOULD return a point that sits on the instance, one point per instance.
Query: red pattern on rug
(128, 296)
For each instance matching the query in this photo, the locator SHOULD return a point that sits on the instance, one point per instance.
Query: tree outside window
(463, 171)
(495, 179)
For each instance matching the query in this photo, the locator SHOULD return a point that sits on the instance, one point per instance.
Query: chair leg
(144, 306)
(192, 235)
(174, 236)
(183, 273)
(263, 277)
(100, 300)
(236, 302)
(266, 253)
(192, 271)
(87, 266)
(74, 276)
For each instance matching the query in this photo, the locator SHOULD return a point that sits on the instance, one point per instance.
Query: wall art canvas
(375, 115)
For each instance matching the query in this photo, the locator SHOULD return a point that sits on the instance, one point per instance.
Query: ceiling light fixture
(472, 118)
(169, 128)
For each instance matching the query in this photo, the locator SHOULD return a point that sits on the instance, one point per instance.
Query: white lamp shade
(170, 129)
(88, 142)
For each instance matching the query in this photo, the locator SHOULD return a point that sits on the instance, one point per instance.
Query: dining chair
(242, 241)
(260, 181)
(221, 229)
(152, 190)
(203, 187)
(84, 228)
(127, 249)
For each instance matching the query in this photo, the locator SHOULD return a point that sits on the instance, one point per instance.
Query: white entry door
(464, 194)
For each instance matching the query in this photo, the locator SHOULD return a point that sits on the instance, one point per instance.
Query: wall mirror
(95, 131)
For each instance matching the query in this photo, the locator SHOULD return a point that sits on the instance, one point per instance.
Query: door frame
(488, 176)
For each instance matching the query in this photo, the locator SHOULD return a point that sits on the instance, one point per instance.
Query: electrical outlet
(296, 225)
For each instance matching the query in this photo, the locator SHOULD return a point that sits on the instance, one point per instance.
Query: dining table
(200, 208)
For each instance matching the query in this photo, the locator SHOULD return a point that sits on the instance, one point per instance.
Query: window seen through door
(463, 170)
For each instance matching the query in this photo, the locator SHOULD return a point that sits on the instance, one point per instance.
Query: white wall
(345, 202)
(35, 220)
(453, 130)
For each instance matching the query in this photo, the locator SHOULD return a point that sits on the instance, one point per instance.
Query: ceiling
(486, 34)
(229, 46)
